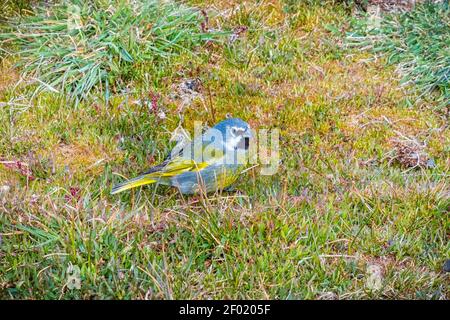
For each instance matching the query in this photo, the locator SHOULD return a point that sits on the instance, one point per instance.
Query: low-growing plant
(417, 41)
(10, 8)
(80, 46)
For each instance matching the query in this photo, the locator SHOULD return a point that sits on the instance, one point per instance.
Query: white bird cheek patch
(230, 149)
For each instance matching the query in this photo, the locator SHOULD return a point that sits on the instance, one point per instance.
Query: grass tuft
(9, 8)
(418, 42)
(78, 47)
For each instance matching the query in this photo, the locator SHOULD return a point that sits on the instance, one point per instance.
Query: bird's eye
(234, 131)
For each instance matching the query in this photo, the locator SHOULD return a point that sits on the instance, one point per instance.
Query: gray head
(229, 137)
(236, 133)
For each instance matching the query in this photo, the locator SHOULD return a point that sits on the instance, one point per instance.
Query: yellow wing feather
(172, 168)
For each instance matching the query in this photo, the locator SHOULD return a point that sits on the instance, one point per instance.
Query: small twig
(211, 105)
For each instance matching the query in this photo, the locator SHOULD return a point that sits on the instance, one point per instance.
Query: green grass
(336, 207)
(79, 47)
(417, 42)
(10, 8)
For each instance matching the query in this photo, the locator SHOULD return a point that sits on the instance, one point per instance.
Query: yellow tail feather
(161, 173)
(133, 183)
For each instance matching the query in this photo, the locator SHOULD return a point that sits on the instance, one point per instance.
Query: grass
(78, 47)
(417, 42)
(337, 207)
(10, 8)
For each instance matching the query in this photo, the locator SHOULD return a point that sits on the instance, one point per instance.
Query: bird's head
(236, 133)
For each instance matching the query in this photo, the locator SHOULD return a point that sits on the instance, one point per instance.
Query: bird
(209, 163)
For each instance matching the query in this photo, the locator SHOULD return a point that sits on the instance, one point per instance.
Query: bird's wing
(175, 166)
(184, 159)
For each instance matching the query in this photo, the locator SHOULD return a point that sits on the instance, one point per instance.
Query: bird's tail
(133, 183)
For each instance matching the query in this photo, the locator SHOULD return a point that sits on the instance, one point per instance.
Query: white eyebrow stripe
(238, 129)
